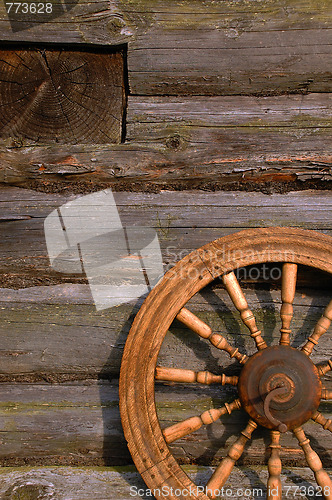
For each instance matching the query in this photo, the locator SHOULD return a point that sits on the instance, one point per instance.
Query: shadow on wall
(211, 444)
(87, 235)
(115, 451)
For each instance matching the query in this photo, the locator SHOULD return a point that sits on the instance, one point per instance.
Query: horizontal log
(194, 47)
(307, 209)
(20, 200)
(54, 332)
(79, 424)
(95, 23)
(184, 221)
(115, 483)
(187, 142)
(248, 132)
(289, 111)
(259, 63)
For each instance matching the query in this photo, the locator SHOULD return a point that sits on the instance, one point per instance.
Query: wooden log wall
(219, 94)
(211, 96)
(200, 48)
(60, 358)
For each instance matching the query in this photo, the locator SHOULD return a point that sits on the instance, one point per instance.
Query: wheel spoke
(222, 472)
(324, 422)
(192, 424)
(203, 330)
(321, 327)
(326, 393)
(315, 464)
(325, 368)
(288, 285)
(274, 489)
(236, 294)
(190, 376)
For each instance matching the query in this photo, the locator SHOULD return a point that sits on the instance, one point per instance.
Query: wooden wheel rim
(146, 443)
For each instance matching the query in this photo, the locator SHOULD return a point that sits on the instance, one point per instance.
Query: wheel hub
(280, 388)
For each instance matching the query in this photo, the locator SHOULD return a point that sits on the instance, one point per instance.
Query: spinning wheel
(279, 387)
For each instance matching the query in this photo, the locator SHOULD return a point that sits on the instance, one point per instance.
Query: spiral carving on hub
(280, 367)
(279, 387)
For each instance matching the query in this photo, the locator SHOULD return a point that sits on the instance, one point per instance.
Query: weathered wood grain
(184, 221)
(76, 483)
(61, 96)
(190, 141)
(116, 483)
(286, 134)
(151, 325)
(63, 424)
(307, 209)
(54, 332)
(88, 22)
(79, 423)
(231, 63)
(197, 121)
(200, 48)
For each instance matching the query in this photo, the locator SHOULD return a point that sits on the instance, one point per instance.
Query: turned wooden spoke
(315, 464)
(222, 472)
(192, 424)
(259, 377)
(236, 294)
(325, 368)
(288, 285)
(321, 327)
(203, 330)
(190, 376)
(326, 393)
(274, 491)
(326, 423)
